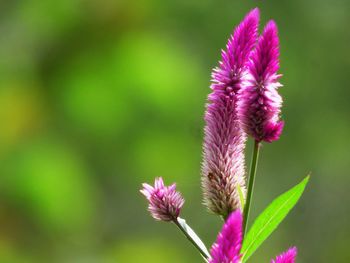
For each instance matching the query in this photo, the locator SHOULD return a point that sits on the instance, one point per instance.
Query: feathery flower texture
(165, 202)
(229, 241)
(259, 102)
(228, 245)
(224, 141)
(286, 257)
(244, 100)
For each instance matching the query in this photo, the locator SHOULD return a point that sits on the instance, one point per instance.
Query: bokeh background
(98, 96)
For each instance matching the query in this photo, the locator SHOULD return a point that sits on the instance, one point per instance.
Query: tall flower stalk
(259, 102)
(223, 169)
(244, 102)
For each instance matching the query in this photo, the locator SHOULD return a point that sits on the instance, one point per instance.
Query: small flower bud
(164, 201)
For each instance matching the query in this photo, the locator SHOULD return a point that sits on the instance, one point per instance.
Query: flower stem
(190, 235)
(252, 174)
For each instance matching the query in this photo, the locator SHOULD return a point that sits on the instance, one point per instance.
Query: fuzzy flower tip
(286, 257)
(228, 244)
(259, 102)
(227, 247)
(164, 201)
(224, 141)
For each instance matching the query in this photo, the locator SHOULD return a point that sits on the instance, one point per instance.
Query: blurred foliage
(97, 97)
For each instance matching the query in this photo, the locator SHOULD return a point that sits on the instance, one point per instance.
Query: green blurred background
(98, 96)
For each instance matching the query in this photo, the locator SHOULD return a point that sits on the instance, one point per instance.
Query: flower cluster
(243, 102)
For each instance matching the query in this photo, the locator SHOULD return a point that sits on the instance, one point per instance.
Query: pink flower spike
(259, 102)
(286, 257)
(223, 168)
(165, 202)
(228, 244)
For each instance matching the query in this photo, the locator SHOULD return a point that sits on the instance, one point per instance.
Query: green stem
(204, 254)
(252, 174)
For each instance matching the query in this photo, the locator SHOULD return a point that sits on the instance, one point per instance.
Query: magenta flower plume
(228, 244)
(286, 257)
(165, 202)
(224, 141)
(227, 247)
(260, 103)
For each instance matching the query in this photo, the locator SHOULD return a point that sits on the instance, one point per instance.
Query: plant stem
(204, 254)
(252, 174)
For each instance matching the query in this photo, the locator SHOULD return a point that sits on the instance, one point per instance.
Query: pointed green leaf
(193, 237)
(270, 218)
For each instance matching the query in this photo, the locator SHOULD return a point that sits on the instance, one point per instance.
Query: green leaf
(192, 236)
(241, 196)
(270, 218)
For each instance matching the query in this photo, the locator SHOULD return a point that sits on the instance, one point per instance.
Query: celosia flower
(286, 257)
(229, 241)
(164, 201)
(223, 165)
(259, 102)
(228, 245)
